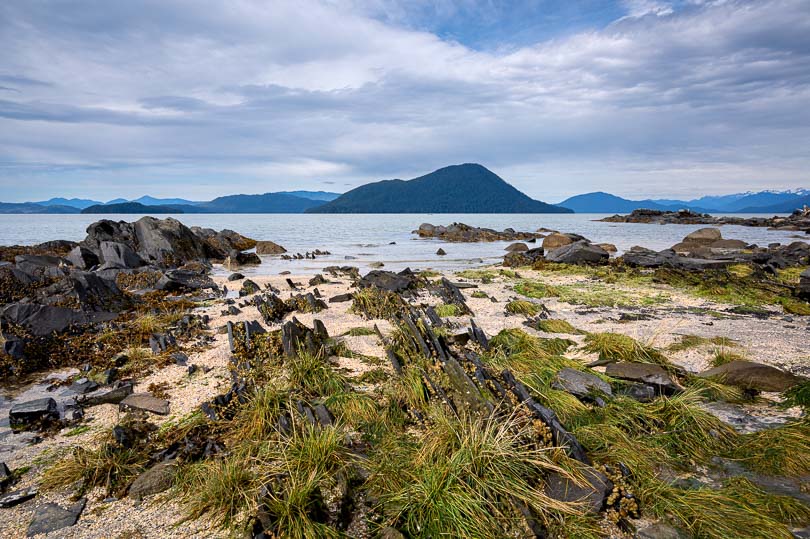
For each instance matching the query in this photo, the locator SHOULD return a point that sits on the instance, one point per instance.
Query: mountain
(31, 207)
(468, 188)
(131, 207)
(266, 203)
(80, 203)
(152, 201)
(782, 207)
(325, 196)
(601, 202)
(769, 199)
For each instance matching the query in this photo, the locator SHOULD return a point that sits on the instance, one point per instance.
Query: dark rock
(83, 386)
(179, 358)
(272, 308)
(804, 285)
(178, 280)
(581, 384)
(31, 413)
(5, 476)
(248, 288)
(17, 497)
(647, 258)
(239, 258)
(592, 493)
(639, 392)
(146, 403)
(50, 517)
(643, 372)
(753, 376)
(119, 256)
(387, 280)
(156, 479)
(235, 277)
(40, 267)
(112, 395)
(660, 531)
(340, 298)
(441, 252)
(460, 232)
(160, 343)
(517, 248)
(580, 252)
(13, 346)
(269, 248)
(317, 280)
(168, 242)
(83, 258)
(703, 236)
(323, 415)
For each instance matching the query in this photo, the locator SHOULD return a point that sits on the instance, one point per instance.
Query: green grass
(592, 294)
(783, 450)
(447, 309)
(479, 294)
(360, 332)
(312, 374)
(619, 347)
(375, 303)
(552, 325)
(688, 342)
(78, 430)
(798, 395)
(486, 275)
(722, 356)
(519, 306)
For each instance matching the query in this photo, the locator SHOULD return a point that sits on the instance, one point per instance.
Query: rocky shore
(565, 393)
(799, 220)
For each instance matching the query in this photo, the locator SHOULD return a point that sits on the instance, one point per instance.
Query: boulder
(178, 280)
(119, 256)
(238, 258)
(235, 277)
(804, 285)
(555, 240)
(29, 413)
(42, 320)
(269, 248)
(248, 288)
(167, 242)
(40, 267)
(219, 244)
(581, 384)
(704, 236)
(753, 376)
(89, 291)
(592, 493)
(517, 248)
(580, 252)
(388, 280)
(731, 245)
(83, 258)
(50, 517)
(646, 373)
(647, 258)
(146, 403)
(156, 479)
(609, 247)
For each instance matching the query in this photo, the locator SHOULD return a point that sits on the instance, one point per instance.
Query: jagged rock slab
(146, 403)
(50, 517)
(756, 376)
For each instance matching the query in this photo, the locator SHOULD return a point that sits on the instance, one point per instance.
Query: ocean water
(360, 240)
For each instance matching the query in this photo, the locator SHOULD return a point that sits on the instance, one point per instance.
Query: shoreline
(592, 299)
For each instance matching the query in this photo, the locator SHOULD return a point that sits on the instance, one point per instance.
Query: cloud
(171, 96)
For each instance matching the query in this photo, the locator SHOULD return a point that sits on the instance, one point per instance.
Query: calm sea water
(368, 237)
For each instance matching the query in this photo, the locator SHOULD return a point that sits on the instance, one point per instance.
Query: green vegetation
(723, 355)
(619, 347)
(592, 294)
(480, 294)
(782, 451)
(360, 331)
(798, 395)
(526, 308)
(552, 325)
(447, 309)
(688, 342)
(486, 275)
(374, 303)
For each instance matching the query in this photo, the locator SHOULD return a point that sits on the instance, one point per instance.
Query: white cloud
(257, 96)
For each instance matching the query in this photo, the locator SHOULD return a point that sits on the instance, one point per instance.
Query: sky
(197, 99)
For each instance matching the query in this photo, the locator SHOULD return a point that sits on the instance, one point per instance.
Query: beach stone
(660, 531)
(248, 288)
(112, 395)
(518, 247)
(83, 258)
(235, 277)
(178, 280)
(755, 376)
(83, 385)
(388, 280)
(50, 517)
(156, 479)
(647, 258)
(580, 252)
(119, 256)
(804, 285)
(555, 240)
(441, 252)
(25, 414)
(5, 476)
(340, 298)
(580, 384)
(643, 372)
(704, 236)
(728, 244)
(593, 493)
(638, 392)
(17, 497)
(146, 403)
(609, 247)
(269, 248)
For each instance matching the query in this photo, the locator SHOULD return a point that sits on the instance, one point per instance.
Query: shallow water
(368, 237)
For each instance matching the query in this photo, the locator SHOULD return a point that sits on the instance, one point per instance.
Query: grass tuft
(526, 308)
(552, 325)
(619, 347)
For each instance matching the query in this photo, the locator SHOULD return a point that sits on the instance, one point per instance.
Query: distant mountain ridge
(467, 188)
(601, 202)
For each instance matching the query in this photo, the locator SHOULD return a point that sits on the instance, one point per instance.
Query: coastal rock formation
(580, 252)
(269, 248)
(753, 376)
(460, 232)
(799, 220)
